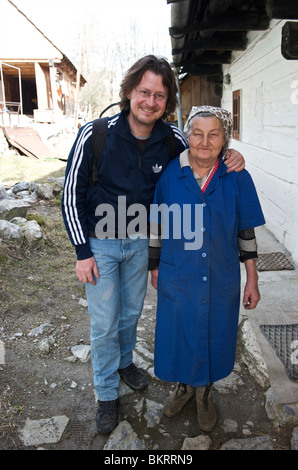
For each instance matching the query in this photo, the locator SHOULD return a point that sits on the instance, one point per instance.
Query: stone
(57, 184)
(10, 208)
(153, 414)
(279, 413)
(229, 425)
(196, 443)
(19, 187)
(43, 431)
(32, 232)
(229, 384)
(44, 346)
(124, 438)
(44, 191)
(82, 352)
(20, 221)
(3, 193)
(250, 443)
(40, 330)
(10, 232)
(252, 356)
(294, 440)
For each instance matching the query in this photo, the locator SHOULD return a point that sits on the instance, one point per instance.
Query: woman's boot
(206, 410)
(177, 400)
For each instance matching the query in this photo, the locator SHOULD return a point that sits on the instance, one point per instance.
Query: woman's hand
(251, 295)
(234, 161)
(154, 276)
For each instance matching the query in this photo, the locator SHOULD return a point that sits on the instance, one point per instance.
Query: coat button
(205, 278)
(204, 255)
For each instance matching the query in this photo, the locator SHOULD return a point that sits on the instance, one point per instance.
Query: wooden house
(37, 79)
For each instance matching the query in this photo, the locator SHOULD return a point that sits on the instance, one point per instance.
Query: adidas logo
(156, 168)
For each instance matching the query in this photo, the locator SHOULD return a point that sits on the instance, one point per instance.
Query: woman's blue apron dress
(199, 289)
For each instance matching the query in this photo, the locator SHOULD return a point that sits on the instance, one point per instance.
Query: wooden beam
(282, 9)
(208, 58)
(218, 43)
(203, 70)
(232, 22)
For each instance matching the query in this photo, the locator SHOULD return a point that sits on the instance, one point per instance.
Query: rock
(57, 184)
(10, 208)
(20, 221)
(44, 191)
(83, 302)
(32, 232)
(228, 384)
(10, 232)
(196, 443)
(3, 193)
(40, 330)
(81, 352)
(294, 440)
(45, 345)
(22, 186)
(279, 413)
(43, 431)
(230, 425)
(153, 414)
(252, 356)
(124, 438)
(250, 443)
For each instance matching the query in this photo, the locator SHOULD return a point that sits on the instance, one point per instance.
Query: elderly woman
(199, 286)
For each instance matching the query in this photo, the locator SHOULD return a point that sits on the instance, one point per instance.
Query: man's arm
(73, 204)
(234, 161)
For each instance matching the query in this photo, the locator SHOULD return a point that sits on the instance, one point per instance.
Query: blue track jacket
(122, 172)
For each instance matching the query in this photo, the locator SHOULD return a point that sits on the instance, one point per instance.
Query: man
(113, 265)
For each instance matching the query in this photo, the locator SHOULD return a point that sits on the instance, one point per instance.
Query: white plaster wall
(269, 128)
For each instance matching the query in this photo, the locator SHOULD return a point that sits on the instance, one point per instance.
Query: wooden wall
(197, 91)
(268, 139)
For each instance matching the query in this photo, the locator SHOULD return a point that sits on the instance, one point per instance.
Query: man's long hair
(159, 66)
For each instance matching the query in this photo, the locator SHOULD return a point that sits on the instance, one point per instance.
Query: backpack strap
(171, 143)
(99, 139)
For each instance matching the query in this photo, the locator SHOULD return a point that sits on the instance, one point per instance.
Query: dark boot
(206, 410)
(107, 416)
(133, 377)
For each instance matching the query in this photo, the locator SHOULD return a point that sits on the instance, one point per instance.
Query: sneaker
(178, 399)
(134, 378)
(107, 416)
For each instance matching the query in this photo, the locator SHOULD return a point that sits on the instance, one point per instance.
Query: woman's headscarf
(224, 116)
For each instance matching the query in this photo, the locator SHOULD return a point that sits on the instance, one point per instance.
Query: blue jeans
(115, 304)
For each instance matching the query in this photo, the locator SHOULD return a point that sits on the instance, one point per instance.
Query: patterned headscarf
(224, 116)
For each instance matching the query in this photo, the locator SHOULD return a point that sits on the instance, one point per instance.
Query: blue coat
(199, 289)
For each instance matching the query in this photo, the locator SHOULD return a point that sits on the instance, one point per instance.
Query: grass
(16, 168)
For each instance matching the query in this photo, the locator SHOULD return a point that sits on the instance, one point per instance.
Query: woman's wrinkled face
(206, 138)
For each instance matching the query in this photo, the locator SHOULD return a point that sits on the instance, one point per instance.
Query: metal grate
(284, 341)
(273, 262)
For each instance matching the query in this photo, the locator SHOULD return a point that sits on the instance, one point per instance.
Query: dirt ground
(39, 286)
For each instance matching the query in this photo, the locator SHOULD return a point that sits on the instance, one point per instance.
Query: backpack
(99, 139)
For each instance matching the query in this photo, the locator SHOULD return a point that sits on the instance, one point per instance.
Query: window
(236, 114)
(289, 41)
